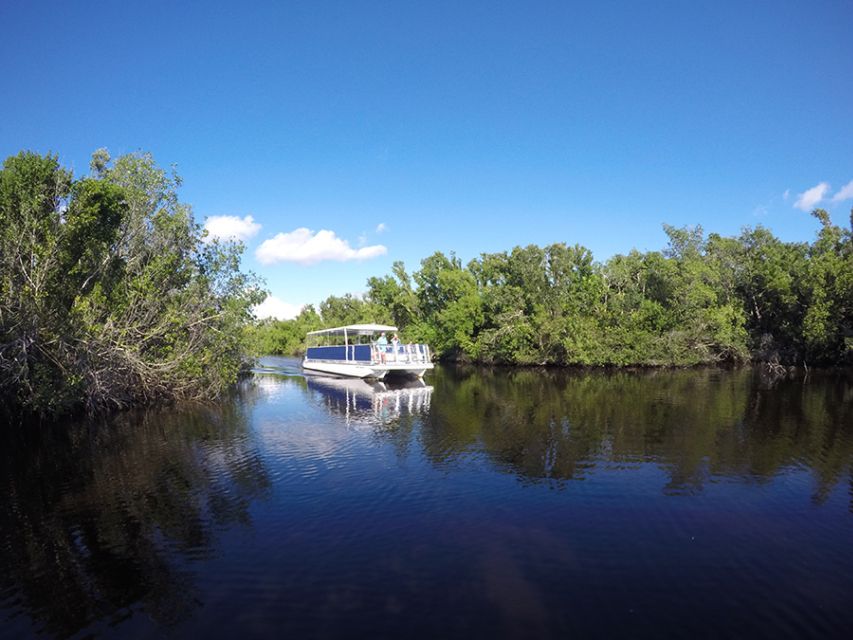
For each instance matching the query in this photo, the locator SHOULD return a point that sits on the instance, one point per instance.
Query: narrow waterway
(484, 503)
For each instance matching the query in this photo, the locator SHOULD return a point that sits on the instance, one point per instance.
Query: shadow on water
(104, 520)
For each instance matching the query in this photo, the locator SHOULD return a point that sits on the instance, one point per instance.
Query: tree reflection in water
(102, 522)
(101, 519)
(557, 425)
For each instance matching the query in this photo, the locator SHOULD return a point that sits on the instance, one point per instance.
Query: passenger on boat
(382, 346)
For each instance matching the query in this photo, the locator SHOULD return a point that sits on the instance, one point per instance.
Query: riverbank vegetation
(704, 299)
(109, 294)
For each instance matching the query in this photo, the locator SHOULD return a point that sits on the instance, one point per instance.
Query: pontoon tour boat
(359, 351)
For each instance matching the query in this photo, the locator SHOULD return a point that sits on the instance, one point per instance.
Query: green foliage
(701, 300)
(395, 294)
(348, 309)
(284, 337)
(451, 306)
(108, 294)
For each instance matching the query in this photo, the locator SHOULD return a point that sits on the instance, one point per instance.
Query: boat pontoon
(355, 351)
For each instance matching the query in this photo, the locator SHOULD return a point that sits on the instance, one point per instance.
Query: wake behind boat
(363, 351)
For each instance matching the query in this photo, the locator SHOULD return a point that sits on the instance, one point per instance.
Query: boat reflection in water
(366, 403)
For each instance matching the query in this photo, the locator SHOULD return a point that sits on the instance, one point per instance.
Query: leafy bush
(109, 294)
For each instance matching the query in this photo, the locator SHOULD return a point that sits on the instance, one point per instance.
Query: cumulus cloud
(304, 246)
(845, 193)
(276, 308)
(231, 228)
(382, 227)
(810, 198)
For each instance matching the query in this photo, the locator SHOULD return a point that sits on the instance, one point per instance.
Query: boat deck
(366, 360)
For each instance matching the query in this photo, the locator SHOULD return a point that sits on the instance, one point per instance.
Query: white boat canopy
(355, 330)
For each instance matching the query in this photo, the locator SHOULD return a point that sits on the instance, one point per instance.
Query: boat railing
(401, 354)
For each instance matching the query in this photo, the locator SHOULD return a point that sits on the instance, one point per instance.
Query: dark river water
(486, 503)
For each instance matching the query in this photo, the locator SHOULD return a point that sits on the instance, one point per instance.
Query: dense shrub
(109, 294)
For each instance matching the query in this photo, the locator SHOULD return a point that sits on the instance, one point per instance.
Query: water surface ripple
(485, 503)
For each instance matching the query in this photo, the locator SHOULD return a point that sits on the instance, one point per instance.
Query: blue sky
(459, 126)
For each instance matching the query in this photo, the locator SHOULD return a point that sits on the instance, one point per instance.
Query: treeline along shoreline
(112, 296)
(704, 299)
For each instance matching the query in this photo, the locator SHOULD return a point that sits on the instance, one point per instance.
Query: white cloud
(786, 195)
(276, 308)
(231, 228)
(807, 200)
(307, 247)
(381, 227)
(845, 193)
